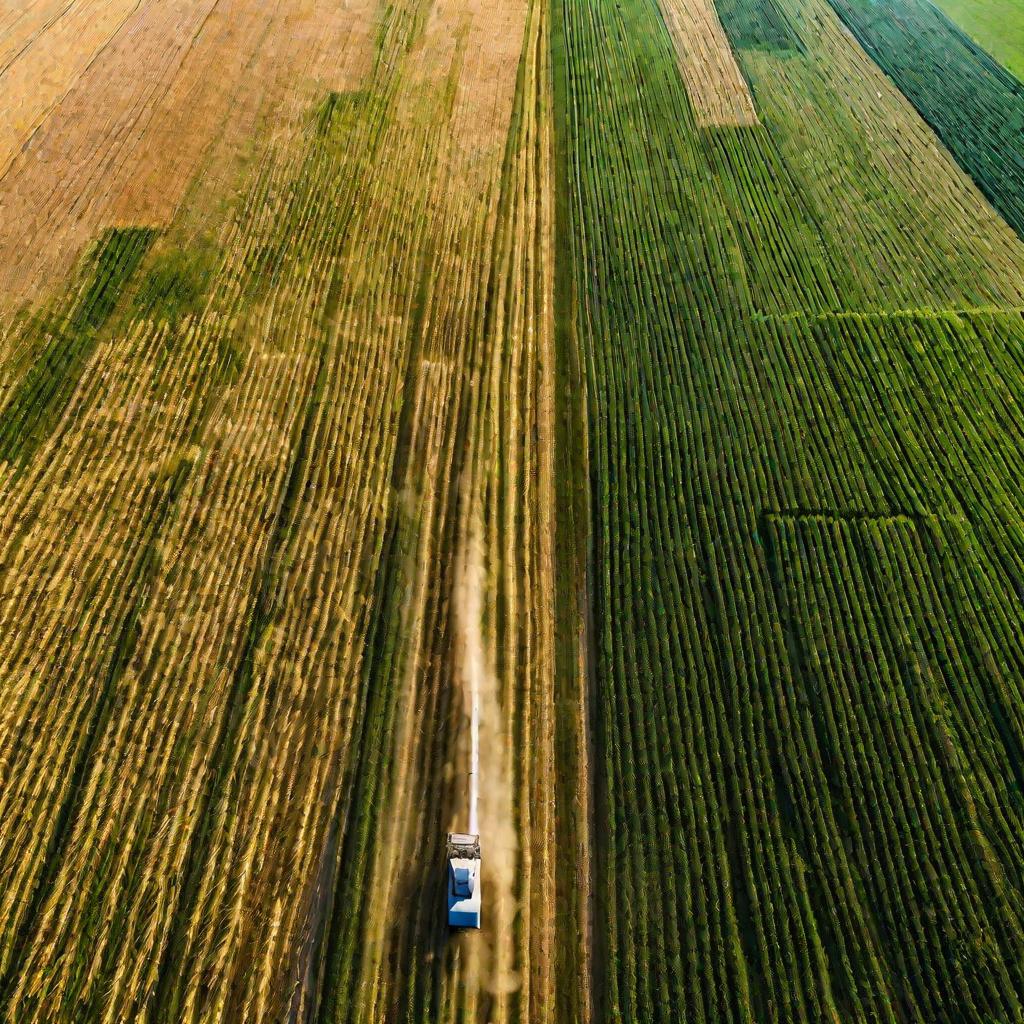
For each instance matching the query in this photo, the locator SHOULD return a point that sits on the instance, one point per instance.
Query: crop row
(892, 740)
(468, 575)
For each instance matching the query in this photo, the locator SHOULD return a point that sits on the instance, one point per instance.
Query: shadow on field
(431, 951)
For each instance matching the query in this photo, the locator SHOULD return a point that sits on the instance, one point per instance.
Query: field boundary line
(922, 312)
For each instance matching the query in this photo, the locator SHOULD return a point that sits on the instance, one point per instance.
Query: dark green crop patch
(111, 265)
(176, 283)
(758, 25)
(335, 106)
(71, 334)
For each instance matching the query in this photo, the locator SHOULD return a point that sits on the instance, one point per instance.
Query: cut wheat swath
(714, 82)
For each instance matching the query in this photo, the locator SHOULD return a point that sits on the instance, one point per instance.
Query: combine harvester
(464, 847)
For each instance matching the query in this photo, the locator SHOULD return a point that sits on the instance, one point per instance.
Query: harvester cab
(463, 880)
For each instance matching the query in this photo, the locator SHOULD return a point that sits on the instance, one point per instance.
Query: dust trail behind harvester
(490, 784)
(474, 744)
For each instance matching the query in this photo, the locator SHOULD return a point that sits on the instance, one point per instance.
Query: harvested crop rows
(650, 370)
(269, 466)
(715, 85)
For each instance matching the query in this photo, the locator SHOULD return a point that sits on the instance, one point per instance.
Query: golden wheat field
(278, 382)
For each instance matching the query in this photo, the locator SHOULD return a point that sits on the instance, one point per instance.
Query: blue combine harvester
(463, 880)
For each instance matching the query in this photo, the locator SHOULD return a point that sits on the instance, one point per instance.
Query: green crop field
(611, 408)
(806, 508)
(975, 105)
(996, 25)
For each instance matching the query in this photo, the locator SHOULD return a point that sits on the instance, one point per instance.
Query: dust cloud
(498, 839)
